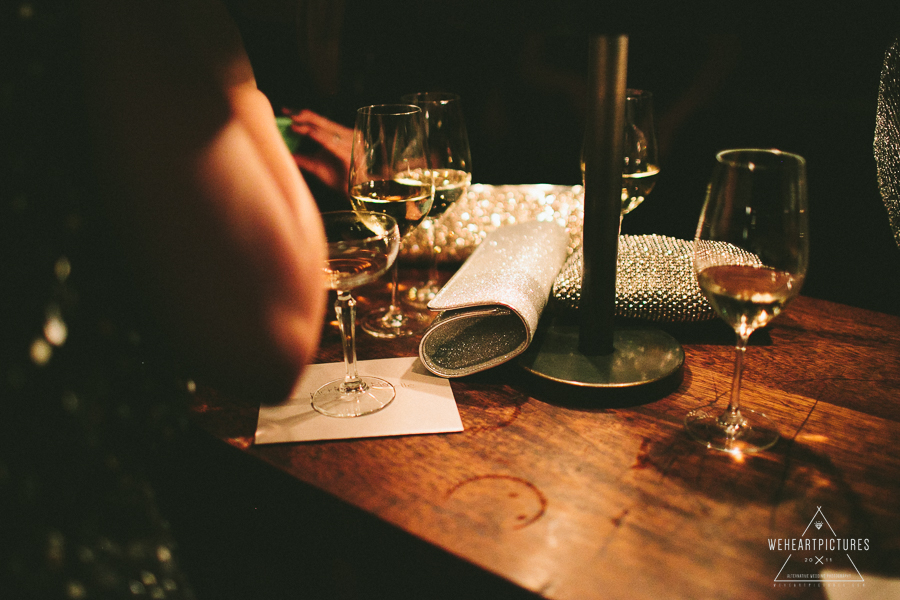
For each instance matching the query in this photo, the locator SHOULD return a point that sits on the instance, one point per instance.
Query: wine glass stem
(433, 251)
(732, 419)
(393, 312)
(345, 309)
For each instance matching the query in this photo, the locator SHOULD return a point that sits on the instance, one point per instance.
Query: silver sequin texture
(654, 281)
(887, 136)
(492, 304)
(485, 208)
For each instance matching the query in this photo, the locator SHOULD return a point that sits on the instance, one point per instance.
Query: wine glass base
(333, 400)
(757, 433)
(387, 324)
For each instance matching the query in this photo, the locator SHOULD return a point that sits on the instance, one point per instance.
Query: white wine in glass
(389, 149)
(449, 186)
(640, 157)
(406, 200)
(751, 253)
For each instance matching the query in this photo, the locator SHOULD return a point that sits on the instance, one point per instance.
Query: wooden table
(598, 495)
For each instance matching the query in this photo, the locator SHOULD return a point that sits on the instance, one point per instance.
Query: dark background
(798, 76)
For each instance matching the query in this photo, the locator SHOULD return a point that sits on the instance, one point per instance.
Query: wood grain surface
(574, 494)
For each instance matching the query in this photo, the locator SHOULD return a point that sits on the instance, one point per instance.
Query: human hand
(330, 161)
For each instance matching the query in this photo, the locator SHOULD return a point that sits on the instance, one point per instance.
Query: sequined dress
(91, 411)
(887, 136)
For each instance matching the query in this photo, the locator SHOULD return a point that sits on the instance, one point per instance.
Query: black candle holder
(596, 353)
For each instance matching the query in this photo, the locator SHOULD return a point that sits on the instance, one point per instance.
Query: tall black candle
(608, 64)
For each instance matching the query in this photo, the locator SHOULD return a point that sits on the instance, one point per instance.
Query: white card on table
(424, 404)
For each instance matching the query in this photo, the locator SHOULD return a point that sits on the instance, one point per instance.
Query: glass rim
(388, 219)
(389, 109)
(724, 157)
(431, 97)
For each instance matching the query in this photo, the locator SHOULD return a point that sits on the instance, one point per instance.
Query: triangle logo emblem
(819, 555)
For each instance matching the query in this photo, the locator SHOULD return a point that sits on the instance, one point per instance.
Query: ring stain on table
(505, 501)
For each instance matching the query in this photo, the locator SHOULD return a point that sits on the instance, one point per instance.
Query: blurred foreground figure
(155, 231)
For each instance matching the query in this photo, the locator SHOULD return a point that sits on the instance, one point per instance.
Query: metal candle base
(641, 356)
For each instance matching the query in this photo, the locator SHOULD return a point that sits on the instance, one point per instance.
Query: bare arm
(222, 227)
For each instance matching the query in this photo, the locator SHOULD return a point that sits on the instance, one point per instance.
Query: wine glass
(386, 166)
(362, 246)
(639, 150)
(450, 163)
(750, 257)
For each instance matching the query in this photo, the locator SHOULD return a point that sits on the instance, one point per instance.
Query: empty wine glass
(450, 168)
(640, 167)
(751, 253)
(361, 247)
(386, 166)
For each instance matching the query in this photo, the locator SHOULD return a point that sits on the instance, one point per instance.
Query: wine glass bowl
(450, 170)
(387, 163)
(362, 246)
(751, 253)
(640, 154)
(407, 200)
(639, 150)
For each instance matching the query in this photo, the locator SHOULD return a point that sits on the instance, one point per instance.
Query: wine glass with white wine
(640, 156)
(450, 168)
(639, 151)
(751, 253)
(389, 149)
(362, 246)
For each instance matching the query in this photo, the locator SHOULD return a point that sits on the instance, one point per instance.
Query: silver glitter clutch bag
(490, 308)
(655, 280)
